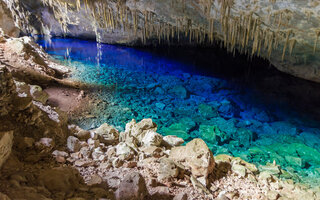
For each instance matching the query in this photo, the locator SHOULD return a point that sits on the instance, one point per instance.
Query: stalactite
(286, 44)
(316, 41)
(292, 44)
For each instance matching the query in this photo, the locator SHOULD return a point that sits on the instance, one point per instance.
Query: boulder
(244, 136)
(179, 91)
(132, 187)
(207, 111)
(125, 150)
(107, 134)
(196, 156)
(180, 129)
(138, 130)
(212, 134)
(73, 144)
(152, 138)
(6, 140)
(172, 141)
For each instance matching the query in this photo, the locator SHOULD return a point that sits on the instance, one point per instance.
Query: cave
(171, 99)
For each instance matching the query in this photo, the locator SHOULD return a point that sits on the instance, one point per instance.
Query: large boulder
(196, 156)
(132, 187)
(152, 138)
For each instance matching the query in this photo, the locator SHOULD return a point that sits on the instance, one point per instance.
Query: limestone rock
(239, 169)
(73, 144)
(195, 155)
(167, 169)
(172, 140)
(151, 138)
(138, 130)
(6, 140)
(125, 150)
(132, 187)
(107, 134)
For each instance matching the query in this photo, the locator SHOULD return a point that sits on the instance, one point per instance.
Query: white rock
(172, 140)
(152, 138)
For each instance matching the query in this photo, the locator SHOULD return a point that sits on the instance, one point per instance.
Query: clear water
(190, 101)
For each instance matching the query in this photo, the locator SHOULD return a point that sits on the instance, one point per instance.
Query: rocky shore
(42, 156)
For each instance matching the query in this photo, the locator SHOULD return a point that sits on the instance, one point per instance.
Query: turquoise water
(189, 100)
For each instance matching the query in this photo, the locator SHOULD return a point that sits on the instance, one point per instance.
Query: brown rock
(132, 187)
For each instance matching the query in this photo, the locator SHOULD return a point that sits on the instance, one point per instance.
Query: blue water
(191, 101)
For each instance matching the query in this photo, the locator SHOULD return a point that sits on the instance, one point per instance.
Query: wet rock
(212, 134)
(272, 169)
(196, 156)
(73, 144)
(167, 169)
(151, 138)
(179, 91)
(172, 141)
(178, 129)
(132, 187)
(295, 161)
(6, 140)
(107, 134)
(244, 136)
(227, 109)
(207, 111)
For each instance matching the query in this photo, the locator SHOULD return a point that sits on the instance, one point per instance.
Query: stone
(161, 193)
(107, 134)
(151, 138)
(161, 106)
(93, 143)
(244, 136)
(73, 144)
(130, 140)
(272, 169)
(95, 180)
(239, 169)
(152, 151)
(6, 141)
(132, 187)
(167, 169)
(212, 134)
(207, 111)
(295, 161)
(178, 129)
(38, 94)
(60, 153)
(172, 141)
(82, 134)
(195, 155)
(4, 197)
(125, 150)
(181, 196)
(272, 195)
(179, 91)
(45, 144)
(138, 130)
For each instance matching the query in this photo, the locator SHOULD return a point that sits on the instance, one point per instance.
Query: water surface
(191, 98)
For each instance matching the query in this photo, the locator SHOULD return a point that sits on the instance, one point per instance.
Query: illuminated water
(189, 100)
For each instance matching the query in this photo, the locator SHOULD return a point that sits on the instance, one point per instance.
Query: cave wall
(283, 32)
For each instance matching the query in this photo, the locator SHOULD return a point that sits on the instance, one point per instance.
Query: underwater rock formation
(274, 30)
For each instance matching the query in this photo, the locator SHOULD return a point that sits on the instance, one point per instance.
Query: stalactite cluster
(244, 31)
